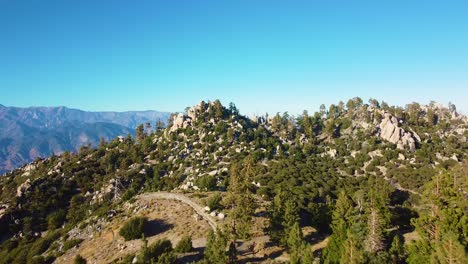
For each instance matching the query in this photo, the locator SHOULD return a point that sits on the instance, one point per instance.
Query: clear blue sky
(262, 55)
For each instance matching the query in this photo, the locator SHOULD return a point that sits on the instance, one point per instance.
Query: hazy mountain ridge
(28, 133)
(50, 117)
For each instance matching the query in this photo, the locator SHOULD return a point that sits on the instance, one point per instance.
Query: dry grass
(107, 245)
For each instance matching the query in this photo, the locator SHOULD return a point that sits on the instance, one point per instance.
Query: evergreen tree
(240, 199)
(340, 224)
(295, 239)
(283, 215)
(374, 241)
(140, 133)
(159, 125)
(443, 226)
(215, 250)
(218, 110)
(449, 250)
(397, 251)
(352, 252)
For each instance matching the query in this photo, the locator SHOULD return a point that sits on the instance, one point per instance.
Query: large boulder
(390, 131)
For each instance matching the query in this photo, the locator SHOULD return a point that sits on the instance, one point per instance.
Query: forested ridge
(377, 183)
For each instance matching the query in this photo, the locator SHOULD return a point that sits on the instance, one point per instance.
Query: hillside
(386, 183)
(29, 133)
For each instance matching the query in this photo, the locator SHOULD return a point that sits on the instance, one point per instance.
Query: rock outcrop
(180, 121)
(390, 131)
(23, 188)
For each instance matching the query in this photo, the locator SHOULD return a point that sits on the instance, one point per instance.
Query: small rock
(401, 156)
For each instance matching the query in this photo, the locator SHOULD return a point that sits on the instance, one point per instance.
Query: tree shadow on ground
(194, 256)
(156, 226)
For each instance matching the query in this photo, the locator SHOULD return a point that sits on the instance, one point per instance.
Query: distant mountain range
(28, 133)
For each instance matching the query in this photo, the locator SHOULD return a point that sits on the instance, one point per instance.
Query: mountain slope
(357, 168)
(28, 133)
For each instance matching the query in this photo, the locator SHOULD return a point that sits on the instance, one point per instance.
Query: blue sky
(266, 56)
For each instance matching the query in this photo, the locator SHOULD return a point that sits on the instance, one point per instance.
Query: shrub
(214, 202)
(79, 260)
(41, 245)
(56, 219)
(71, 243)
(152, 253)
(206, 183)
(40, 260)
(134, 228)
(184, 245)
(167, 258)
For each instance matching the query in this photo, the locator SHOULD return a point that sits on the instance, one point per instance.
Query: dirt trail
(181, 198)
(173, 217)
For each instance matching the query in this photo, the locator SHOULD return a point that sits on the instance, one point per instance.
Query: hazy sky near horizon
(266, 56)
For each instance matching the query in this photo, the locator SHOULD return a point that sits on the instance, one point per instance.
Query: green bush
(134, 228)
(79, 260)
(206, 183)
(71, 243)
(184, 245)
(41, 260)
(214, 202)
(155, 251)
(41, 245)
(167, 258)
(55, 220)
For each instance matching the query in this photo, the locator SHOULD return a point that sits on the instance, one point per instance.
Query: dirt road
(181, 198)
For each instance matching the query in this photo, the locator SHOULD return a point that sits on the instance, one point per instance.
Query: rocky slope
(314, 156)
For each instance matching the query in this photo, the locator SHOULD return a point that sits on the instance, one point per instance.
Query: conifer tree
(241, 202)
(449, 250)
(443, 226)
(240, 198)
(352, 252)
(340, 224)
(397, 251)
(215, 251)
(140, 133)
(374, 240)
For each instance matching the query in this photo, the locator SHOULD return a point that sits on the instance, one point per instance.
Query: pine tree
(140, 133)
(340, 224)
(397, 251)
(352, 252)
(443, 226)
(374, 241)
(450, 251)
(240, 199)
(307, 254)
(215, 250)
(283, 215)
(159, 125)
(294, 239)
(218, 110)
